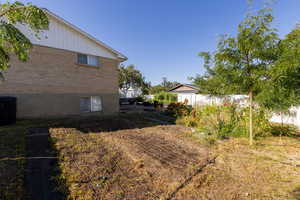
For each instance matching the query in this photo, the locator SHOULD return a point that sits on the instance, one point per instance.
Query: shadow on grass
(108, 123)
(296, 193)
(284, 130)
(12, 145)
(42, 173)
(11, 176)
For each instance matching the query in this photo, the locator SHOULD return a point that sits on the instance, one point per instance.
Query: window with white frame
(87, 60)
(90, 104)
(96, 104)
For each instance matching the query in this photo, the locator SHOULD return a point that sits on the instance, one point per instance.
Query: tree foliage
(283, 88)
(164, 86)
(12, 40)
(129, 77)
(157, 89)
(242, 64)
(169, 84)
(165, 97)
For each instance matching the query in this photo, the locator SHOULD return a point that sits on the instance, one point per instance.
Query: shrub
(283, 130)
(228, 120)
(147, 103)
(178, 109)
(151, 101)
(140, 99)
(165, 97)
(261, 123)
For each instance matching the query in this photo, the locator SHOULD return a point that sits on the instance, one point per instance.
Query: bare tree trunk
(281, 115)
(251, 117)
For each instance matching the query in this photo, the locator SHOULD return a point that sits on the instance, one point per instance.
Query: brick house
(69, 73)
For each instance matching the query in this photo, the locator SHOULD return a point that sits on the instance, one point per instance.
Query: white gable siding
(63, 37)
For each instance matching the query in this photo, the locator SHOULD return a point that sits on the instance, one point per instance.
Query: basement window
(90, 104)
(87, 60)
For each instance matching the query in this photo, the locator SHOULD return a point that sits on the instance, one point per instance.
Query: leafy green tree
(157, 89)
(168, 84)
(164, 86)
(283, 89)
(241, 64)
(165, 97)
(129, 77)
(12, 41)
(146, 87)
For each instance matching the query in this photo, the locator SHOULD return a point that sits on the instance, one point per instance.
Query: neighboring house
(131, 93)
(186, 92)
(190, 93)
(185, 89)
(69, 73)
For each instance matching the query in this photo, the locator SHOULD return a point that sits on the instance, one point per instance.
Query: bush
(283, 130)
(140, 99)
(178, 109)
(261, 123)
(228, 120)
(165, 97)
(147, 103)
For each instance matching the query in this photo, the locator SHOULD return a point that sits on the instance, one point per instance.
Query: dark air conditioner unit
(8, 110)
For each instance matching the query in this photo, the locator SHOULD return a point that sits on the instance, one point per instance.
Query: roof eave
(119, 55)
(177, 86)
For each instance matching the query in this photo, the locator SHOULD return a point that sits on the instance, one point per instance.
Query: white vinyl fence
(293, 118)
(199, 99)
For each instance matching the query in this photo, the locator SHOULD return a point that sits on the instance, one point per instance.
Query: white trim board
(64, 35)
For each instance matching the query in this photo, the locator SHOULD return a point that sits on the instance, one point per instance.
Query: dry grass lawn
(129, 157)
(153, 163)
(268, 170)
(147, 163)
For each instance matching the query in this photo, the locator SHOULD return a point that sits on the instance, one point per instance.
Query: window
(82, 59)
(96, 104)
(85, 104)
(90, 104)
(92, 60)
(87, 60)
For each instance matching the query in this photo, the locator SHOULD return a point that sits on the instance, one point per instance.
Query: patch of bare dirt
(147, 163)
(165, 157)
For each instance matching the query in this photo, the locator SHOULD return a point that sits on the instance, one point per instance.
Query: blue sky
(163, 37)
